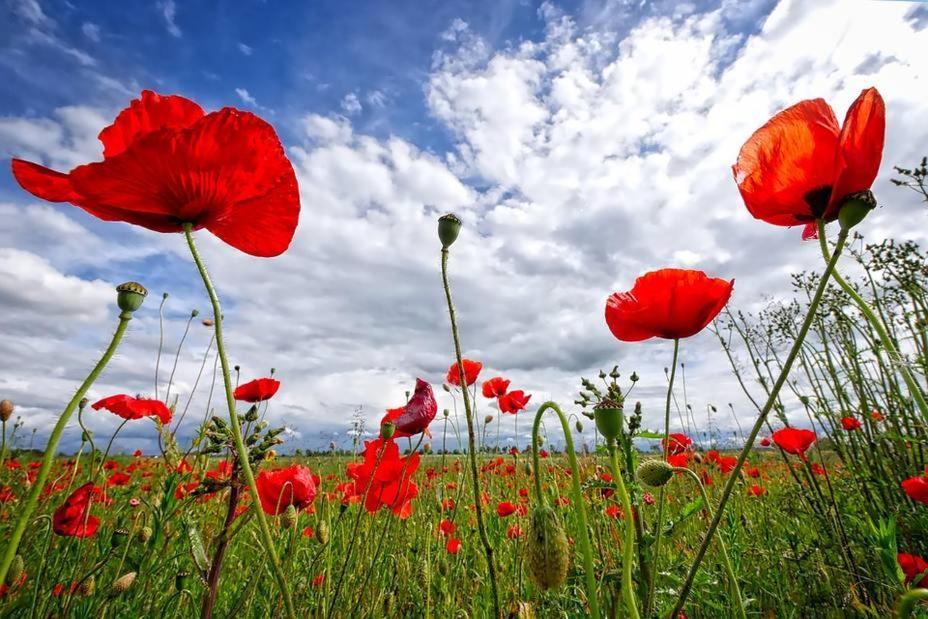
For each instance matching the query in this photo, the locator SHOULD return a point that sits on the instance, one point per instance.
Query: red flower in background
(166, 164)
(471, 371)
(850, 424)
(73, 518)
(390, 478)
(765, 442)
(678, 444)
(418, 413)
(453, 546)
(917, 488)
(669, 303)
(505, 508)
(913, 566)
(513, 402)
(801, 165)
(794, 440)
(292, 485)
(756, 490)
(495, 387)
(258, 390)
(128, 407)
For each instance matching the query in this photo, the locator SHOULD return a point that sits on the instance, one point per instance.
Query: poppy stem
(659, 525)
(471, 442)
(895, 358)
(761, 419)
(584, 535)
(240, 448)
(25, 512)
(628, 549)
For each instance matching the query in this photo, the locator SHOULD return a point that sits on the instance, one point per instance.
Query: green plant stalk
(472, 451)
(909, 600)
(240, 448)
(726, 560)
(659, 525)
(761, 419)
(3, 446)
(585, 545)
(878, 326)
(25, 512)
(628, 549)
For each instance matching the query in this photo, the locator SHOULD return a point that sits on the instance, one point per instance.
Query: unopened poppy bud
(547, 553)
(322, 532)
(579, 426)
(195, 313)
(446, 388)
(88, 587)
(427, 448)
(83, 403)
(208, 322)
(488, 419)
(122, 584)
(449, 226)
(289, 517)
(387, 430)
(654, 473)
(252, 414)
(15, 572)
(608, 416)
(86, 436)
(129, 296)
(6, 410)
(443, 567)
(145, 534)
(446, 412)
(855, 208)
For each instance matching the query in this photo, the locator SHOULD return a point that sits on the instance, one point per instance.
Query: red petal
(43, 182)
(860, 147)
(148, 113)
(792, 154)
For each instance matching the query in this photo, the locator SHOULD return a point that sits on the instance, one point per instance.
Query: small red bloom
(513, 402)
(679, 443)
(258, 390)
(850, 424)
(471, 371)
(73, 518)
(794, 440)
(308, 532)
(669, 303)
(128, 407)
(876, 416)
(679, 460)
(613, 511)
(801, 166)
(505, 508)
(756, 490)
(292, 485)
(137, 453)
(914, 568)
(318, 580)
(765, 442)
(917, 488)
(495, 387)
(453, 546)
(166, 164)
(514, 532)
(118, 479)
(418, 413)
(446, 527)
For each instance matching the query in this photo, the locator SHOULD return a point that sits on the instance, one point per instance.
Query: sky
(582, 144)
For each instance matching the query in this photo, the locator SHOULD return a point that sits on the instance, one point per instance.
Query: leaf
(197, 550)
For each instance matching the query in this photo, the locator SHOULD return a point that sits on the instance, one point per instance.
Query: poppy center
(817, 199)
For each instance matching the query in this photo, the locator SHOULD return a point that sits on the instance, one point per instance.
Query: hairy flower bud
(547, 553)
(289, 517)
(654, 473)
(129, 296)
(322, 532)
(6, 410)
(122, 584)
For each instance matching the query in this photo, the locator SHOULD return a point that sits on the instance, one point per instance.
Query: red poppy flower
(850, 424)
(818, 469)
(876, 416)
(794, 440)
(913, 567)
(128, 407)
(765, 442)
(222, 472)
(613, 511)
(514, 532)
(917, 488)
(292, 485)
(669, 303)
(118, 479)
(446, 527)
(756, 490)
(513, 402)
(505, 508)
(418, 413)
(137, 453)
(258, 390)
(471, 371)
(166, 164)
(73, 518)
(679, 460)
(495, 387)
(678, 443)
(386, 477)
(453, 546)
(801, 166)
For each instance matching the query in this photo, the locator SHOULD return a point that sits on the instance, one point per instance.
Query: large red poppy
(471, 371)
(257, 390)
(801, 165)
(73, 518)
(794, 440)
(917, 488)
(913, 567)
(678, 444)
(513, 402)
(669, 303)
(388, 482)
(166, 164)
(292, 485)
(418, 413)
(128, 407)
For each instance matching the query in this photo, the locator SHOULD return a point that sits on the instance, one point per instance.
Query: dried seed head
(6, 409)
(129, 296)
(322, 532)
(547, 554)
(88, 587)
(654, 473)
(122, 584)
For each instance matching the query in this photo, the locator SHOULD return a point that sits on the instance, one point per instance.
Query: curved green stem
(909, 600)
(877, 324)
(25, 512)
(240, 448)
(629, 547)
(772, 398)
(585, 546)
(471, 440)
(726, 560)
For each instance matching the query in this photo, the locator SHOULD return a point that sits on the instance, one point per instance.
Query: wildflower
(388, 476)
(505, 508)
(794, 440)
(453, 546)
(72, 518)
(495, 387)
(917, 488)
(127, 407)
(678, 444)
(257, 390)
(471, 371)
(418, 413)
(513, 402)
(280, 488)
(850, 424)
(914, 568)
(756, 490)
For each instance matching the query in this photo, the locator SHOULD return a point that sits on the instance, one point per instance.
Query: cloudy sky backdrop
(582, 143)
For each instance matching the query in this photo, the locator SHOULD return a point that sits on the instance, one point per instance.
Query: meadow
(818, 508)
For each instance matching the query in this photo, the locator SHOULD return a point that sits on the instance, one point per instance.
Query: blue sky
(583, 143)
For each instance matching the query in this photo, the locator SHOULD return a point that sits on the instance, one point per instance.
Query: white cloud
(169, 12)
(245, 49)
(351, 105)
(246, 97)
(91, 31)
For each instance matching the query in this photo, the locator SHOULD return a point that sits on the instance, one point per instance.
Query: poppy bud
(547, 553)
(442, 568)
(427, 448)
(119, 536)
(208, 322)
(654, 473)
(528, 468)
(86, 436)
(252, 414)
(608, 416)
(15, 572)
(122, 584)
(387, 430)
(579, 426)
(446, 412)
(322, 532)
(449, 226)
(180, 580)
(88, 587)
(195, 313)
(488, 419)
(145, 534)
(6, 410)
(129, 296)
(855, 208)
(289, 517)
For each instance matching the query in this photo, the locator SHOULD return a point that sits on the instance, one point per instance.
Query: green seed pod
(6, 410)
(88, 587)
(289, 517)
(252, 414)
(387, 430)
(122, 584)
(528, 468)
(15, 571)
(130, 295)
(654, 473)
(855, 208)
(449, 226)
(547, 554)
(608, 416)
(119, 536)
(181, 580)
(322, 532)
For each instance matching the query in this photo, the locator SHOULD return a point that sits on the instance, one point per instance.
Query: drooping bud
(855, 208)
(289, 517)
(122, 584)
(608, 416)
(547, 553)
(6, 410)
(579, 426)
(449, 226)
(387, 429)
(655, 473)
(129, 296)
(446, 412)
